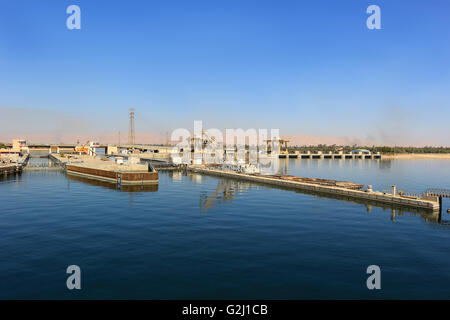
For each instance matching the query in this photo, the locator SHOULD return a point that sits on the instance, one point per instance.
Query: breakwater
(427, 202)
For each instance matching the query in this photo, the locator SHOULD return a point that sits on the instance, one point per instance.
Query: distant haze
(46, 126)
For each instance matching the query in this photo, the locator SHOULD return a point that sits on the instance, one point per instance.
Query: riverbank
(398, 156)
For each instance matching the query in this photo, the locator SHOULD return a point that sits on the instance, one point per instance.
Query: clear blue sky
(306, 67)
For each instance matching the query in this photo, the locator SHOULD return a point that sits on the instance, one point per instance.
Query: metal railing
(438, 192)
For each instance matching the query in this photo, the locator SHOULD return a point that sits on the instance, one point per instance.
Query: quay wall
(125, 178)
(15, 167)
(10, 169)
(57, 160)
(374, 196)
(122, 177)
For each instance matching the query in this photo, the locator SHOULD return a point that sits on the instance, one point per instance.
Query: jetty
(12, 164)
(104, 169)
(330, 187)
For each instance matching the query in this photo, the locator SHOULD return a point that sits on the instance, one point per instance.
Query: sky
(309, 68)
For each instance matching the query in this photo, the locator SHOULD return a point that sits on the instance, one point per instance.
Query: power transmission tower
(131, 132)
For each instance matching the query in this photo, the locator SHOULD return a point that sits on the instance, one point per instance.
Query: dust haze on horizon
(52, 126)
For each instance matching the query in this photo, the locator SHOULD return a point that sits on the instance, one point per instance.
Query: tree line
(383, 149)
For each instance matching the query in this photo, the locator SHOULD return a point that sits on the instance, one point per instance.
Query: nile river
(205, 237)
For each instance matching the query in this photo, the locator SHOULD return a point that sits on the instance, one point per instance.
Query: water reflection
(195, 177)
(285, 163)
(225, 191)
(385, 164)
(176, 175)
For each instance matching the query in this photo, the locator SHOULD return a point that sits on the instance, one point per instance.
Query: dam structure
(130, 166)
(330, 187)
(332, 155)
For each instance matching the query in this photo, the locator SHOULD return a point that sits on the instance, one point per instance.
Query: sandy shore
(417, 156)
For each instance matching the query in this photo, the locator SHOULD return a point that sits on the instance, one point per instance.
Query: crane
(88, 146)
(83, 149)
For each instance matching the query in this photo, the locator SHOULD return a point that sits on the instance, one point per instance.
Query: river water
(197, 236)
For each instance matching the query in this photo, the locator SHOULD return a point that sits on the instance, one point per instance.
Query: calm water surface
(204, 237)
